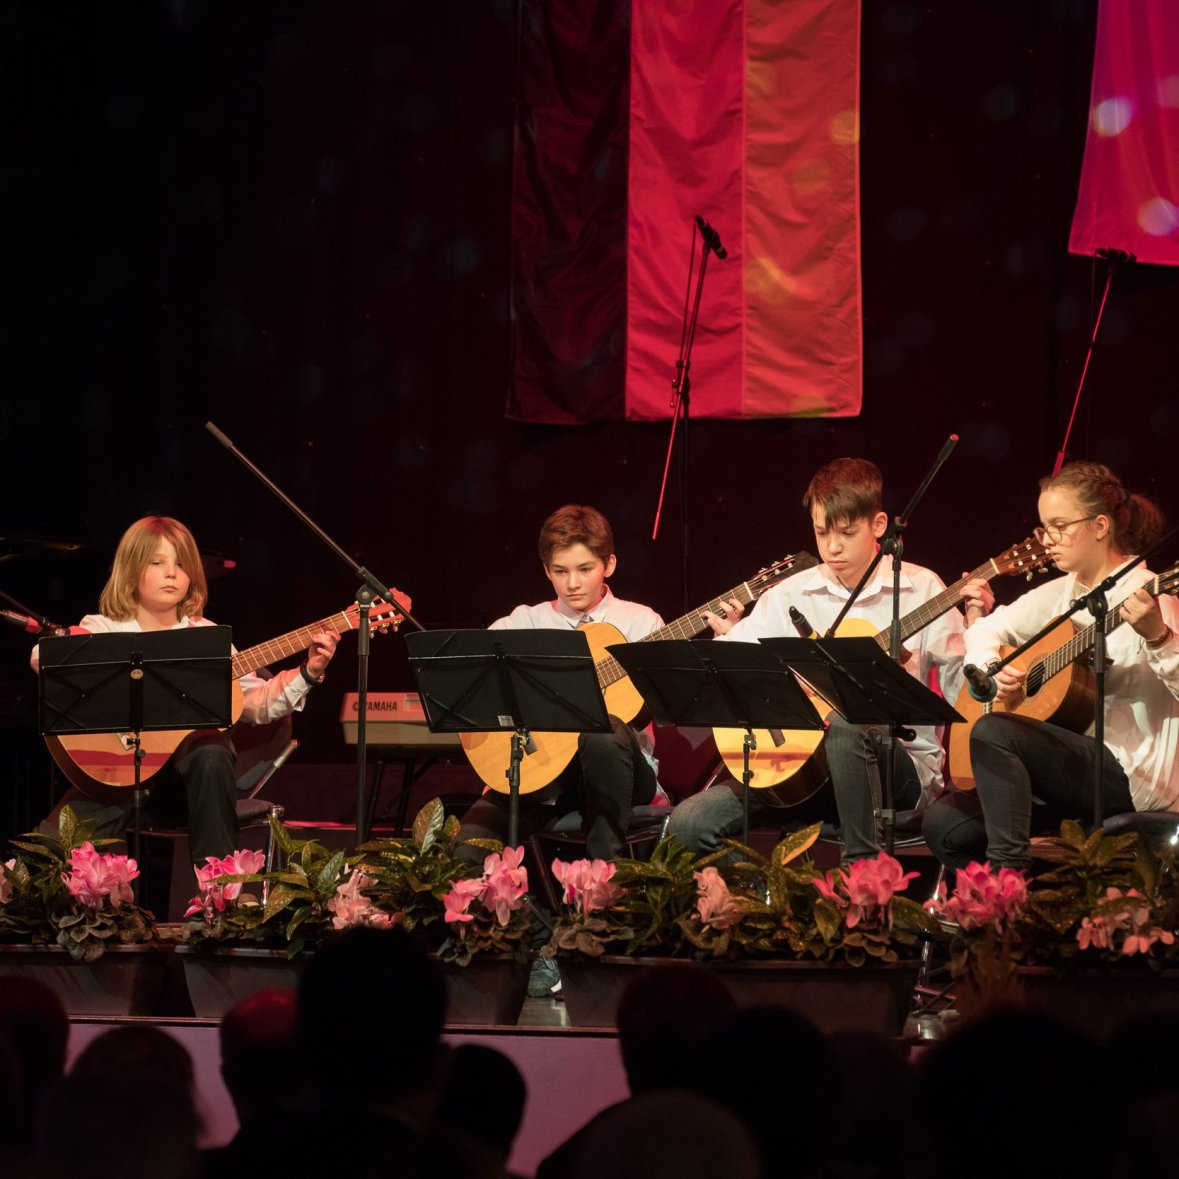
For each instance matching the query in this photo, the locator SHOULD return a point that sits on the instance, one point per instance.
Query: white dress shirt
(1141, 685)
(819, 595)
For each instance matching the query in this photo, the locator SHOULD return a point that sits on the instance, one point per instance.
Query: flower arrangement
(738, 903)
(1108, 900)
(457, 908)
(63, 890)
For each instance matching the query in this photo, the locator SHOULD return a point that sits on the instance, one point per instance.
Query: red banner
(1129, 194)
(742, 111)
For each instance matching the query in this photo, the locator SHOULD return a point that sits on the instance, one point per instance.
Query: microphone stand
(1096, 602)
(371, 588)
(681, 404)
(892, 542)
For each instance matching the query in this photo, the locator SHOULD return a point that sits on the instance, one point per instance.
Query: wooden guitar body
(792, 771)
(549, 753)
(102, 765)
(1066, 699)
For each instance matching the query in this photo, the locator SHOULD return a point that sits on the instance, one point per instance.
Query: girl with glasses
(1030, 774)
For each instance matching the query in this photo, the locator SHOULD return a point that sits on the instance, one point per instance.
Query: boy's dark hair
(576, 524)
(847, 489)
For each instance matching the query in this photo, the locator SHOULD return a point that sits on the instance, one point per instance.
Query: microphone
(1116, 257)
(804, 628)
(982, 684)
(31, 625)
(711, 237)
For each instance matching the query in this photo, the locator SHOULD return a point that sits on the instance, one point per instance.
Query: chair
(565, 841)
(262, 750)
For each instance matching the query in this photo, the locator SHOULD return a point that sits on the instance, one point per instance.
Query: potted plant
(1091, 938)
(472, 917)
(779, 930)
(68, 913)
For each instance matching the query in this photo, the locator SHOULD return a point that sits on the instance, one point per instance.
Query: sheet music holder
(861, 682)
(136, 682)
(719, 685)
(487, 681)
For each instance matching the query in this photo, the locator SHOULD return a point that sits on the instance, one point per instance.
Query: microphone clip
(981, 683)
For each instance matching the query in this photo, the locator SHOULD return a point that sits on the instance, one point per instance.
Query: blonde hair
(120, 596)
(1135, 522)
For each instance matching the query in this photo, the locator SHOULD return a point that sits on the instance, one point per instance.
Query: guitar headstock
(1167, 582)
(779, 571)
(382, 616)
(1026, 558)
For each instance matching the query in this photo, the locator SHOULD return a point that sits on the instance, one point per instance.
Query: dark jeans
(1029, 776)
(854, 755)
(604, 781)
(196, 788)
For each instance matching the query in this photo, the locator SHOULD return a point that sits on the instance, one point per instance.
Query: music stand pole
(718, 685)
(98, 683)
(748, 747)
(500, 681)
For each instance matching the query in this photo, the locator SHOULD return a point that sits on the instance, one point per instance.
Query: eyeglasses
(1054, 533)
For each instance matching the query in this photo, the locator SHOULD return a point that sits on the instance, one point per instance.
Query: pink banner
(746, 112)
(1129, 193)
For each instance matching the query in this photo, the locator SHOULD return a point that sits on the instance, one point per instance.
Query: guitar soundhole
(1034, 682)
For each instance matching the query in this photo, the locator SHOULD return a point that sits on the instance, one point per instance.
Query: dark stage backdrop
(292, 219)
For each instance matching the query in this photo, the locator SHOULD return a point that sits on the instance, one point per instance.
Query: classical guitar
(789, 764)
(103, 764)
(549, 753)
(1059, 686)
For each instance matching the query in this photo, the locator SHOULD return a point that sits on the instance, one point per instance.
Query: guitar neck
(688, 626)
(938, 605)
(291, 643)
(1082, 642)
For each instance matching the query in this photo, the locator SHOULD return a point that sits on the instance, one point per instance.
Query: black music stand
(136, 682)
(859, 679)
(498, 681)
(719, 685)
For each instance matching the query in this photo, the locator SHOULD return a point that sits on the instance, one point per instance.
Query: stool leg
(274, 815)
(924, 972)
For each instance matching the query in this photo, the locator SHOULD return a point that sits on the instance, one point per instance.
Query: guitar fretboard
(291, 643)
(1080, 644)
(927, 612)
(688, 626)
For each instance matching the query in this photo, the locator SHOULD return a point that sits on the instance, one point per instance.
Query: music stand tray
(135, 682)
(490, 681)
(719, 685)
(861, 682)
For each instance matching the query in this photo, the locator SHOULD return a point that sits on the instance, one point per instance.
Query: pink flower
(212, 896)
(458, 901)
(1127, 914)
(94, 876)
(715, 904)
(351, 907)
(982, 897)
(866, 885)
(586, 883)
(505, 883)
(875, 882)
